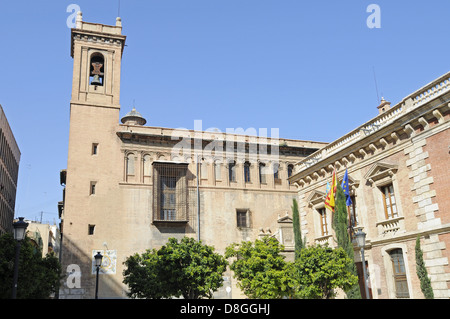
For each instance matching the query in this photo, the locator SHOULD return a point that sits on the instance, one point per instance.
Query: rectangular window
(262, 173)
(390, 206)
(204, 170)
(168, 197)
(247, 172)
(398, 266)
(232, 171)
(91, 229)
(323, 221)
(242, 218)
(92, 188)
(170, 193)
(94, 148)
(217, 172)
(353, 212)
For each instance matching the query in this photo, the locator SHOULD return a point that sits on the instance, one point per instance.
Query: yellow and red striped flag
(329, 201)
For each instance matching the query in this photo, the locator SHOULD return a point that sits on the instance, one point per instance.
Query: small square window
(91, 229)
(242, 218)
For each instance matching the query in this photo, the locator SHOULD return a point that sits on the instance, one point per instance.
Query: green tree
(187, 268)
(320, 270)
(340, 227)
(297, 231)
(260, 268)
(38, 277)
(425, 283)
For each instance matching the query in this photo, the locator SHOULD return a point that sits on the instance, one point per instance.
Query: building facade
(399, 174)
(9, 171)
(129, 187)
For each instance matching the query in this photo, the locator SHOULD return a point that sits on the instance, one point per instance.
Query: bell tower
(91, 209)
(97, 53)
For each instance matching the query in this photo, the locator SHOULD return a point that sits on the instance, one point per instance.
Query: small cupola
(384, 106)
(133, 118)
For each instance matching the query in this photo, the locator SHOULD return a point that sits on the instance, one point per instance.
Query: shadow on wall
(79, 276)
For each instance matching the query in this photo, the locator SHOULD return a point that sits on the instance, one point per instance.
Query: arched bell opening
(97, 70)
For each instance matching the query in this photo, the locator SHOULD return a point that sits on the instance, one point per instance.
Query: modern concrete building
(399, 172)
(9, 171)
(130, 187)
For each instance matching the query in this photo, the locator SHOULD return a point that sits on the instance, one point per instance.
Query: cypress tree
(340, 226)
(425, 283)
(297, 231)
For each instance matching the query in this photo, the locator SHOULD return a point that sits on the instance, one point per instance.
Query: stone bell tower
(91, 201)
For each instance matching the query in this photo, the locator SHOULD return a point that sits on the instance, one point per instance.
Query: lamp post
(361, 241)
(20, 228)
(98, 263)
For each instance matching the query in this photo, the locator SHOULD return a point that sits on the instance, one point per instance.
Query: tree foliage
(297, 231)
(38, 277)
(425, 283)
(340, 227)
(320, 270)
(187, 268)
(260, 268)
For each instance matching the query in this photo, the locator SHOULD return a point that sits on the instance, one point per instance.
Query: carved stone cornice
(97, 38)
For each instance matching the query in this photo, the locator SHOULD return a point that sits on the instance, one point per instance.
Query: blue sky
(305, 67)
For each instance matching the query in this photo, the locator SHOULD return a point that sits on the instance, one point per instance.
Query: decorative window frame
(379, 175)
(389, 273)
(316, 200)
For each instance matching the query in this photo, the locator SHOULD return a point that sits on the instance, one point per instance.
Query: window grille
(242, 218)
(170, 192)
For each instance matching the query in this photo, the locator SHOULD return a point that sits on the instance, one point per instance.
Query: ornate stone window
(321, 218)
(399, 273)
(382, 177)
(398, 278)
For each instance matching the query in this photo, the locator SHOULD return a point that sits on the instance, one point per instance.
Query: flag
(329, 201)
(346, 188)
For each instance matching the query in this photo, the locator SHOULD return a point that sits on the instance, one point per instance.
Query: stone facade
(130, 187)
(398, 165)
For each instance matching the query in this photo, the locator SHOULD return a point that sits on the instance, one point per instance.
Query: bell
(96, 80)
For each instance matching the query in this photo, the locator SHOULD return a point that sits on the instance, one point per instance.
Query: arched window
(276, 173)
(247, 172)
(147, 166)
(262, 173)
(97, 69)
(217, 171)
(232, 171)
(130, 161)
(290, 170)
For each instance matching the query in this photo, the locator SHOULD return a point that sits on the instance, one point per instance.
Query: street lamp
(20, 228)
(98, 263)
(361, 241)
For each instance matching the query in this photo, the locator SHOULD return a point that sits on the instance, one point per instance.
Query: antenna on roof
(376, 86)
